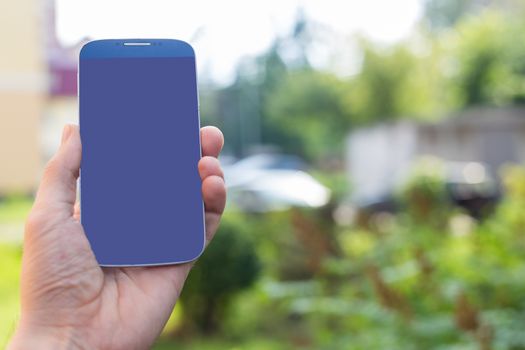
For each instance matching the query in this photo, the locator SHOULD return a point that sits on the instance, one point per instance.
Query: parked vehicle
(268, 182)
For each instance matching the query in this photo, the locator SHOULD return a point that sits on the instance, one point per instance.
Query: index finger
(212, 141)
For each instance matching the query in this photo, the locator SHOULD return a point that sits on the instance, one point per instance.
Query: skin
(67, 300)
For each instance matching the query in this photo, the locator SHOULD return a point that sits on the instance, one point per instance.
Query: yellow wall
(23, 82)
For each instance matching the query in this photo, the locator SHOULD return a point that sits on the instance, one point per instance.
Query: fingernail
(65, 133)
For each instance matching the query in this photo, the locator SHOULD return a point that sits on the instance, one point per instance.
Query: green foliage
(424, 193)
(211, 343)
(419, 280)
(228, 266)
(385, 87)
(490, 67)
(432, 278)
(308, 107)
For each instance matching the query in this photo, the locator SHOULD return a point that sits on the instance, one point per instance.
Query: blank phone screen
(141, 199)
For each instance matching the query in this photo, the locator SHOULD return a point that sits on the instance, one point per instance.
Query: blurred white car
(269, 182)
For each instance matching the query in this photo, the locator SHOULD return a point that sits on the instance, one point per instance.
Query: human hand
(67, 300)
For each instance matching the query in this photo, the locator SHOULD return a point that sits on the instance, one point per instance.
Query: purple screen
(141, 197)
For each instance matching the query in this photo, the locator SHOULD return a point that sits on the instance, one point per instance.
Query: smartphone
(140, 190)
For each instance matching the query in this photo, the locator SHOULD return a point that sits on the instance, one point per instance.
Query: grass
(14, 209)
(10, 255)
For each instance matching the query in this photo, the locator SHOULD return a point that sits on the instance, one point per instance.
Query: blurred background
(374, 160)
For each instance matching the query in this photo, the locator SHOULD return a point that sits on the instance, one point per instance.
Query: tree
(489, 51)
(307, 106)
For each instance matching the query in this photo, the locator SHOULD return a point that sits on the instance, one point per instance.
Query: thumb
(57, 191)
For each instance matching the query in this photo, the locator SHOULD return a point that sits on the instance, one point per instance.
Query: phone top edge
(115, 48)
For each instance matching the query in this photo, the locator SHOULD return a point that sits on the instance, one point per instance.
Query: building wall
(59, 111)
(23, 86)
(492, 136)
(380, 157)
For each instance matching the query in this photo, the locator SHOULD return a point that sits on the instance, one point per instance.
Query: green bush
(424, 194)
(229, 265)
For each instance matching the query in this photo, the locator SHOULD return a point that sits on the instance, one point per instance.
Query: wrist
(38, 337)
